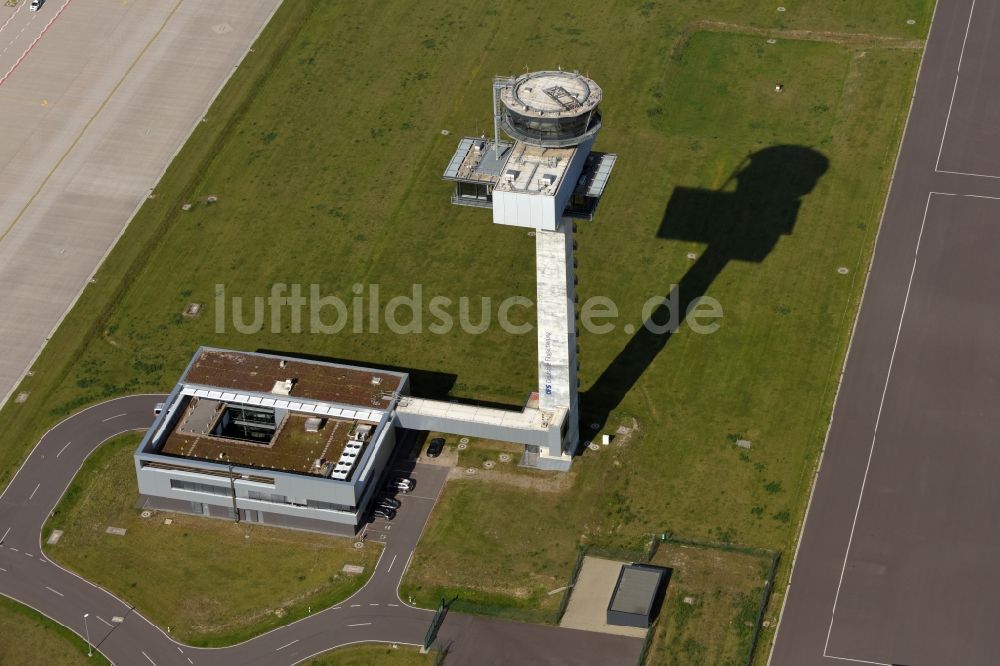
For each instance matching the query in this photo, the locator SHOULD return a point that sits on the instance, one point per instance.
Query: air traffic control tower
(543, 180)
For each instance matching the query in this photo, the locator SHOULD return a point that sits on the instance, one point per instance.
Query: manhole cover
(146, 514)
(464, 440)
(445, 132)
(21, 397)
(772, 41)
(504, 457)
(489, 464)
(359, 544)
(531, 233)
(222, 28)
(692, 255)
(186, 206)
(593, 447)
(910, 22)
(595, 426)
(462, 446)
(843, 270)
(781, 9)
(470, 470)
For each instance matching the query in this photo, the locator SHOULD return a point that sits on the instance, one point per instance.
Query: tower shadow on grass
(740, 225)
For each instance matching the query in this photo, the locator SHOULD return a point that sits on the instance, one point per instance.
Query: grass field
(28, 637)
(373, 655)
(710, 608)
(325, 153)
(212, 582)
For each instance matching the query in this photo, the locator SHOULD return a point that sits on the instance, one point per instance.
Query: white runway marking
(359, 624)
(34, 491)
(287, 644)
(54, 591)
(373, 604)
(104, 621)
(355, 605)
(148, 657)
(63, 449)
(393, 605)
(111, 417)
(29, 554)
(871, 451)
(3, 570)
(954, 89)
(390, 564)
(5, 535)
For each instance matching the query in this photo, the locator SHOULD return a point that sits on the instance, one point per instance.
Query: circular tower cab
(552, 109)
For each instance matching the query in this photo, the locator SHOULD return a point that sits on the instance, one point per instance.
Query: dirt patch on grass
(517, 478)
(847, 38)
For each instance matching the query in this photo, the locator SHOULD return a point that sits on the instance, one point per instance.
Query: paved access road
(96, 97)
(374, 613)
(898, 558)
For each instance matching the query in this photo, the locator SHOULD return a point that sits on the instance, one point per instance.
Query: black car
(388, 503)
(435, 448)
(385, 514)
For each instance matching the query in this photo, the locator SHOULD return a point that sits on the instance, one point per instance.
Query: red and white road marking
(35, 42)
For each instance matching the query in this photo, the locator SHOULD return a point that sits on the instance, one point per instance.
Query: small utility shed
(637, 595)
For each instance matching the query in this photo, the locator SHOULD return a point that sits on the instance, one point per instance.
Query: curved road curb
(372, 614)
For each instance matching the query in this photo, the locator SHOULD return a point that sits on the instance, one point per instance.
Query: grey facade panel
(261, 517)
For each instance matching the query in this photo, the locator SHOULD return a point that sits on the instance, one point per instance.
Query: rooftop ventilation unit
(283, 387)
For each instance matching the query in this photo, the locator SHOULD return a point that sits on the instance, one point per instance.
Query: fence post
(432, 630)
(765, 595)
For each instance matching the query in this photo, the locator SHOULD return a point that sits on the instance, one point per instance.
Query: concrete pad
(117, 531)
(588, 603)
(98, 97)
(54, 537)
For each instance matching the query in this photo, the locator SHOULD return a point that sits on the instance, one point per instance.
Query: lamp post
(86, 628)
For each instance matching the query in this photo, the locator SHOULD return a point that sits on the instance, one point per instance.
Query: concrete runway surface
(96, 97)
(898, 559)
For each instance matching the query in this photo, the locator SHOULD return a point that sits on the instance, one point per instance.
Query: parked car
(384, 514)
(35, 5)
(435, 448)
(401, 484)
(388, 502)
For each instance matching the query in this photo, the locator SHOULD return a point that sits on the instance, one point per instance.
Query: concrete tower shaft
(543, 180)
(556, 307)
